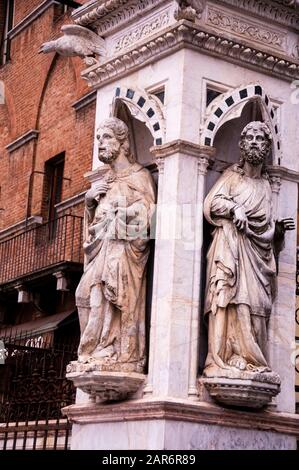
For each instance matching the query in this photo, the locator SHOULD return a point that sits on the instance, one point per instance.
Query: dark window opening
(160, 94)
(54, 169)
(211, 95)
(63, 6)
(5, 27)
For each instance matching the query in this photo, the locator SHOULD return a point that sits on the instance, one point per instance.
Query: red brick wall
(40, 91)
(23, 8)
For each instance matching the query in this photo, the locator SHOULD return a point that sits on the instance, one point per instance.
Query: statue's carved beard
(254, 156)
(108, 155)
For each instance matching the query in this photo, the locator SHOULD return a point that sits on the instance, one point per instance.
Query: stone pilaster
(176, 292)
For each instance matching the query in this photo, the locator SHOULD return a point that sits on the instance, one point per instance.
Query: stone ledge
(183, 146)
(181, 410)
(99, 12)
(85, 100)
(24, 139)
(33, 15)
(283, 173)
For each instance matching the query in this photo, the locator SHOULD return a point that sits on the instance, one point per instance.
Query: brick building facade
(46, 139)
(47, 118)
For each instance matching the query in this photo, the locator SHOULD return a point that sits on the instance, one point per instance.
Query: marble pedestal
(178, 425)
(103, 385)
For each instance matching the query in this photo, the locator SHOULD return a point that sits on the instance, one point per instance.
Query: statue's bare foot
(238, 362)
(104, 353)
(84, 358)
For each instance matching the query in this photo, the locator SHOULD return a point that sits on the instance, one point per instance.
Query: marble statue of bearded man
(241, 270)
(111, 294)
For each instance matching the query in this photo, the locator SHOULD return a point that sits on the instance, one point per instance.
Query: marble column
(176, 292)
(281, 331)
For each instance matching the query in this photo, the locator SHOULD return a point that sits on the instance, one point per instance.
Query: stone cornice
(186, 34)
(85, 100)
(180, 410)
(93, 11)
(283, 173)
(33, 15)
(112, 13)
(182, 146)
(24, 139)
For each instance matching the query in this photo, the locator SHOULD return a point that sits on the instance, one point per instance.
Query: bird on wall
(77, 41)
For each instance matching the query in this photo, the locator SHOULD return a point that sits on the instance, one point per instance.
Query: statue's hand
(286, 224)
(94, 192)
(240, 218)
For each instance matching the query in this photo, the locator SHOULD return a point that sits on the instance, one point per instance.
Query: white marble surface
(174, 435)
(282, 322)
(184, 74)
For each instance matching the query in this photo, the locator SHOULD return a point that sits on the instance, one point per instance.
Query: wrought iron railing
(48, 244)
(33, 389)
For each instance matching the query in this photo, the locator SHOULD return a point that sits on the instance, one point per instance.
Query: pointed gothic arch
(144, 107)
(230, 105)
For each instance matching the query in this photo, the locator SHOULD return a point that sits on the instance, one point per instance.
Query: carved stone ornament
(243, 392)
(77, 41)
(248, 29)
(104, 385)
(241, 276)
(107, 15)
(110, 297)
(191, 36)
(189, 9)
(279, 11)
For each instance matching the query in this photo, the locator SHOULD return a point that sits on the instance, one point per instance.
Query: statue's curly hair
(252, 125)
(263, 126)
(121, 132)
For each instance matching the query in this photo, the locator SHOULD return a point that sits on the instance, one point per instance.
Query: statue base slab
(248, 393)
(102, 385)
(172, 423)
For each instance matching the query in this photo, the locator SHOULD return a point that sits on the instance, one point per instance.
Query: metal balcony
(50, 244)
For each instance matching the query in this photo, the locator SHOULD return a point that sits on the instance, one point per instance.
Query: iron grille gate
(33, 389)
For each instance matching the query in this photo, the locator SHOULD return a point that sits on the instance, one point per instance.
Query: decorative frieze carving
(197, 37)
(278, 11)
(146, 29)
(245, 28)
(111, 14)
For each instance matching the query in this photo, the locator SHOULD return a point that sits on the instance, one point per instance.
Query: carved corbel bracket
(24, 295)
(62, 281)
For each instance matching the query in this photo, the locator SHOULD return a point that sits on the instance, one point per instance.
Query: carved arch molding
(145, 107)
(231, 104)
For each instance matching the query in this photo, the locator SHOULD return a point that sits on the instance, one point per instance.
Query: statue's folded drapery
(241, 267)
(116, 251)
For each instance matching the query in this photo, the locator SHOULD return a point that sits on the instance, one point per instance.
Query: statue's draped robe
(115, 262)
(241, 268)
